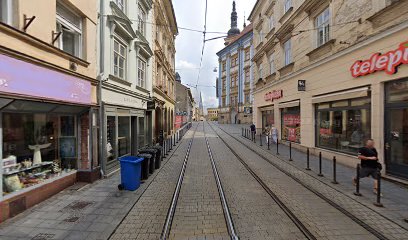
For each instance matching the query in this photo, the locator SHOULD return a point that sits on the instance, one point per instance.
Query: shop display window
(141, 132)
(111, 138)
(291, 124)
(123, 136)
(36, 147)
(268, 118)
(344, 125)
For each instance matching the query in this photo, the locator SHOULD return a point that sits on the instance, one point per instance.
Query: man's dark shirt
(253, 128)
(368, 152)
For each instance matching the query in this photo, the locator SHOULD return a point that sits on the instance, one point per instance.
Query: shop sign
(291, 119)
(151, 105)
(19, 77)
(273, 95)
(292, 134)
(301, 85)
(388, 62)
(120, 99)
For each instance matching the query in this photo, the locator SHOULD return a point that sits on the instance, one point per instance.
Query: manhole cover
(43, 236)
(71, 219)
(78, 205)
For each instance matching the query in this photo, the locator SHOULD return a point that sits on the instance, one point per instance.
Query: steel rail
(364, 225)
(172, 208)
(279, 202)
(227, 213)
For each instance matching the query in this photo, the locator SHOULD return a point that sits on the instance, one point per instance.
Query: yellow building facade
(48, 92)
(164, 35)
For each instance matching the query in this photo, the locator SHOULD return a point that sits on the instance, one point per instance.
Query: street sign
(151, 105)
(301, 85)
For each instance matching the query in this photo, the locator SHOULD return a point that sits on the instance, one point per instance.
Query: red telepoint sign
(387, 62)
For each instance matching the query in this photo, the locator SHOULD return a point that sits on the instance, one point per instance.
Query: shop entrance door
(396, 141)
(134, 135)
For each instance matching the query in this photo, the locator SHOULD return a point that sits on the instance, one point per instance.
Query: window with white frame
(6, 11)
(70, 26)
(159, 75)
(141, 73)
(141, 20)
(271, 64)
(287, 47)
(323, 27)
(288, 5)
(121, 4)
(271, 23)
(119, 59)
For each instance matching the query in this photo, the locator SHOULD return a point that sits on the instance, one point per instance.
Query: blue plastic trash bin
(130, 170)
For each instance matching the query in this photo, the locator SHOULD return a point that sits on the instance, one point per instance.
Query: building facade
(48, 94)
(125, 67)
(164, 34)
(330, 74)
(184, 104)
(235, 80)
(212, 114)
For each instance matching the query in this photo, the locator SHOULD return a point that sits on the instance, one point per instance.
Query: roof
(253, 9)
(235, 38)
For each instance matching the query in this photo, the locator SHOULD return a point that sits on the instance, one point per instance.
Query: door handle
(387, 146)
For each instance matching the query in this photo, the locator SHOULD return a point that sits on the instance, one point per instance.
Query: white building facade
(126, 81)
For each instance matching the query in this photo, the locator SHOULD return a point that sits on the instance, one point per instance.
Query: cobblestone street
(266, 197)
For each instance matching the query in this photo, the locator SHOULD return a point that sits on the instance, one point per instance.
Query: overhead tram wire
(202, 50)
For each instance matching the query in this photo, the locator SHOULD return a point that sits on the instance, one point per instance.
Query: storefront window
(396, 128)
(343, 126)
(141, 133)
(123, 136)
(111, 138)
(36, 147)
(268, 118)
(291, 124)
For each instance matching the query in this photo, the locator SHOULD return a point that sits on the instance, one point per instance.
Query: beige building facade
(331, 74)
(212, 114)
(48, 94)
(164, 35)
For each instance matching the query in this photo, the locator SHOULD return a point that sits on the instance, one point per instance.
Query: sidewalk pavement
(91, 212)
(394, 195)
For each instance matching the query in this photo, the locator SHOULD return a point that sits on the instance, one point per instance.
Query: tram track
(167, 228)
(350, 215)
(299, 224)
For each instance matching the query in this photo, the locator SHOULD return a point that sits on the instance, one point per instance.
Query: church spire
(234, 22)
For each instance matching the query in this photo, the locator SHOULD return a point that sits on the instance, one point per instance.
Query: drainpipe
(102, 159)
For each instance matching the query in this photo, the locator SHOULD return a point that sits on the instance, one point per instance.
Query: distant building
(235, 80)
(184, 104)
(212, 114)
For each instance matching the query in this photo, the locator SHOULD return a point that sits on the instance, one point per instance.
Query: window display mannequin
(37, 152)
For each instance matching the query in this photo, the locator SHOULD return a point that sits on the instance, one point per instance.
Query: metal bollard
(308, 159)
(269, 140)
(357, 192)
(290, 151)
(277, 146)
(378, 202)
(174, 139)
(178, 136)
(334, 171)
(242, 131)
(260, 139)
(320, 165)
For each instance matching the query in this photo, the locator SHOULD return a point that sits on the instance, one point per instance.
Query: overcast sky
(190, 14)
